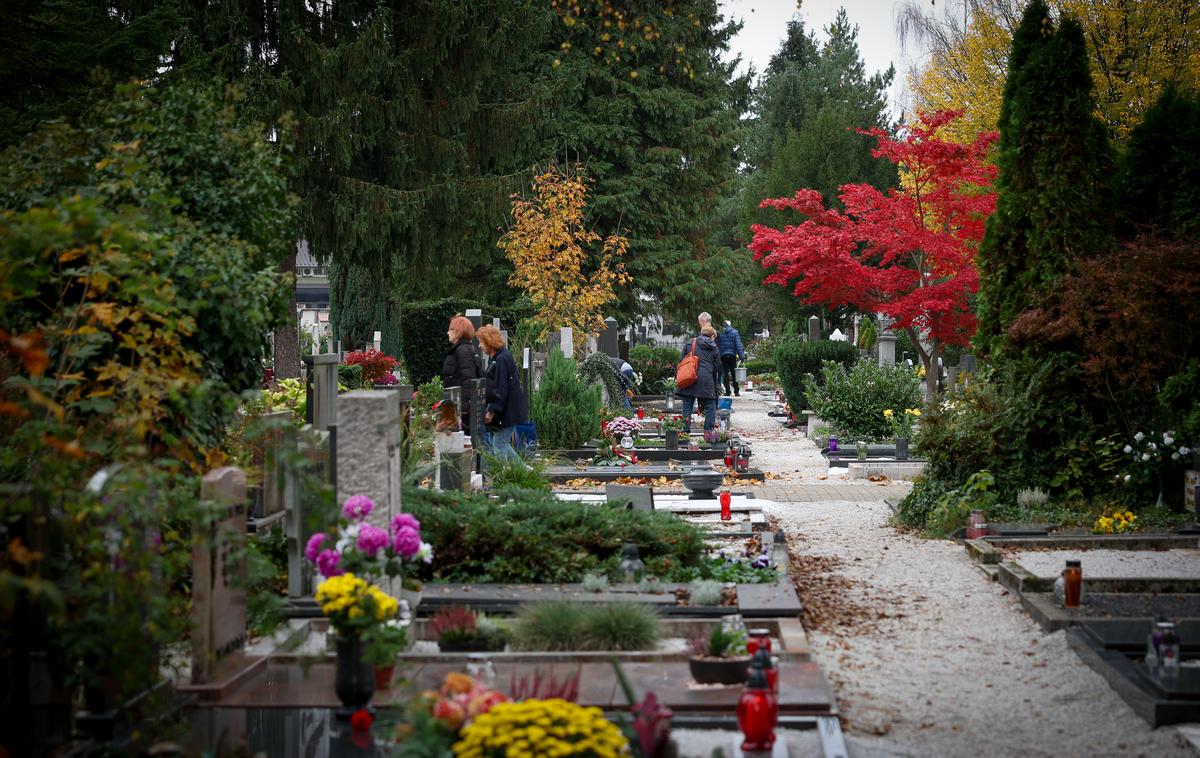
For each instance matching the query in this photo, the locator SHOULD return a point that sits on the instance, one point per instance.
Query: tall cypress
(1053, 202)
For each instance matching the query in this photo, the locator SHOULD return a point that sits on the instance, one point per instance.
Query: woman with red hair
(460, 366)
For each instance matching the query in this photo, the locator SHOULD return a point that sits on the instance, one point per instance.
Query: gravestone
(475, 316)
(537, 366)
(477, 406)
(608, 338)
(321, 390)
(219, 578)
(966, 368)
(368, 451)
(630, 497)
(306, 451)
(951, 379)
(377, 340)
(814, 328)
(886, 342)
(566, 341)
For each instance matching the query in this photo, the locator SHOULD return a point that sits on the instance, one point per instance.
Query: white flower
(1185, 451)
(1139, 437)
(348, 537)
(1145, 456)
(1153, 446)
(1168, 439)
(1174, 456)
(1127, 477)
(1128, 449)
(426, 552)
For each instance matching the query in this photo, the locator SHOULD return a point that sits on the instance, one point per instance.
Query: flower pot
(383, 676)
(465, 646)
(671, 437)
(902, 448)
(719, 670)
(354, 681)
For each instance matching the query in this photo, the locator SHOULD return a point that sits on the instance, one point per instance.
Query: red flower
(361, 720)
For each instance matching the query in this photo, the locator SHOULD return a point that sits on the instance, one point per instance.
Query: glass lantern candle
(759, 638)
(757, 711)
(631, 567)
(833, 444)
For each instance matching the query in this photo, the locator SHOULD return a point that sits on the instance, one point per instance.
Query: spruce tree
(1159, 184)
(1053, 204)
(654, 123)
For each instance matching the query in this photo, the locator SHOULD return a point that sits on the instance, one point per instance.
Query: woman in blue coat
(507, 407)
(704, 390)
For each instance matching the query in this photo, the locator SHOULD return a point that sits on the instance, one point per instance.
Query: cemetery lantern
(742, 463)
(729, 455)
(726, 505)
(631, 566)
(757, 710)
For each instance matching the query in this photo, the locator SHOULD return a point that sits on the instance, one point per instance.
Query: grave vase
(902, 448)
(354, 681)
(671, 436)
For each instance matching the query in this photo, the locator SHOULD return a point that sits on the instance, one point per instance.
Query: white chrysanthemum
(1153, 446)
(1174, 456)
(1145, 456)
(1128, 449)
(1139, 437)
(1168, 439)
(426, 552)
(1185, 451)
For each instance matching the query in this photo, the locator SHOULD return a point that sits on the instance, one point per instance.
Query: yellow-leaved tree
(570, 272)
(1135, 48)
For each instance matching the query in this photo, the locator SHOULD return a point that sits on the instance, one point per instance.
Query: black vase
(672, 439)
(355, 678)
(902, 448)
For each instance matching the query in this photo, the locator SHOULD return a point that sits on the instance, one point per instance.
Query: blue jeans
(499, 443)
(707, 404)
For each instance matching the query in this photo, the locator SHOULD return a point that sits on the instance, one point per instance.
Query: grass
(564, 625)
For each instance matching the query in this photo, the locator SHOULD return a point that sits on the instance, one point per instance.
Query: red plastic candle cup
(757, 711)
(641, 412)
(726, 511)
(728, 459)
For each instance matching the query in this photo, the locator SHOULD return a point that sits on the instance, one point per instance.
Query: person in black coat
(460, 366)
(507, 407)
(704, 390)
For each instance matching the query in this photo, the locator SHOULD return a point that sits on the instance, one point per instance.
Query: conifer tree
(1054, 160)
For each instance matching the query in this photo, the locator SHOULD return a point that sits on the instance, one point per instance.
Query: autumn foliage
(569, 271)
(908, 253)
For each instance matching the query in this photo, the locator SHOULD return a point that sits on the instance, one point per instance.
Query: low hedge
(656, 365)
(423, 334)
(796, 360)
(530, 536)
(755, 366)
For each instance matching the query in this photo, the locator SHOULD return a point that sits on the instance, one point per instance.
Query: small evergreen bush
(565, 411)
(797, 360)
(350, 375)
(854, 401)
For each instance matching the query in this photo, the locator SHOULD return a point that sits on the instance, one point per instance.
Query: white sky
(764, 26)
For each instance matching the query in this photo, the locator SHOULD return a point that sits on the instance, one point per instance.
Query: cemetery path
(926, 654)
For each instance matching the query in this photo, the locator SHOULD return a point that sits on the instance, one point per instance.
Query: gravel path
(926, 655)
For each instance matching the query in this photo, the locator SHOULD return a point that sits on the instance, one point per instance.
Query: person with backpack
(729, 343)
(702, 386)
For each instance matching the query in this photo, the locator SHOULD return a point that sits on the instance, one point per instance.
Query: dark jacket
(706, 375)
(460, 366)
(729, 342)
(505, 397)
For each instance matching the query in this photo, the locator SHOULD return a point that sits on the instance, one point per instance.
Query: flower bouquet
(1151, 457)
(902, 423)
(623, 426)
(363, 548)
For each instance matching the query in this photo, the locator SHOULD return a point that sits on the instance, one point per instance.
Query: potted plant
(672, 426)
(719, 657)
(354, 608)
(902, 428)
(383, 643)
(461, 630)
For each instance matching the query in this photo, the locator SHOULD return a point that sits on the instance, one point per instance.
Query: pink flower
(401, 520)
(407, 542)
(371, 539)
(314, 546)
(357, 507)
(327, 563)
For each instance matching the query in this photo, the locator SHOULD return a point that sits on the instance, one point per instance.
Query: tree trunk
(929, 359)
(287, 336)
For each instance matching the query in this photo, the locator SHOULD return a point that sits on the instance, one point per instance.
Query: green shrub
(530, 536)
(854, 401)
(565, 411)
(755, 366)
(934, 507)
(350, 375)
(565, 625)
(796, 360)
(656, 365)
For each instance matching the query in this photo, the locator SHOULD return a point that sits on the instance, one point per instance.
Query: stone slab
(1123, 676)
(778, 599)
(892, 470)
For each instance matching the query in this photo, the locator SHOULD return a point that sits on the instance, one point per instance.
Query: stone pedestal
(814, 328)
(322, 390)
(566, 337)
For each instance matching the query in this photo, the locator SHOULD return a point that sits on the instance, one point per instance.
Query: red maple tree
(908, 254)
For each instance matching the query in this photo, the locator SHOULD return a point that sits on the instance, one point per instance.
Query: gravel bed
(1136, 605)
(950, 664)
(1122, 564)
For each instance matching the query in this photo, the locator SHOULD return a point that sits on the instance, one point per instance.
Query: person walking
(460, 367)
(704, 391)
(625, 378)
(507, 407)
(705, 319)
(729, 343)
